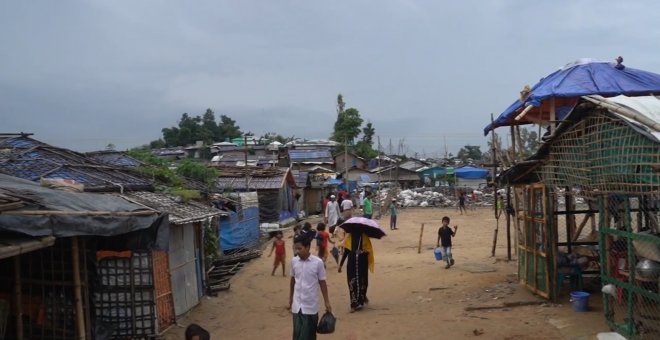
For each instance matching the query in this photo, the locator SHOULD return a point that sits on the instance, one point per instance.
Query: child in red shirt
(280, 252)
(322, 238)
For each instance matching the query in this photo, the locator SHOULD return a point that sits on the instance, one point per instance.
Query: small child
(322, 238)
(444, 238)
(280, 253)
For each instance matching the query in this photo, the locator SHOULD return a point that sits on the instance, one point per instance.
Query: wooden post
(497, 227)
(421, 233)
(513, 145)
(570, 228)
(19, 297)
(77, 292)
(494, 159)
(508, 224)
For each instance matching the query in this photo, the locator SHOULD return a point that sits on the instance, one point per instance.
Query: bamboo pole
(421, 233)
(508, 224)
(523, 113)
(513, 145)
(77, 291)
(553, 116)
(494, 161)
(19, 297)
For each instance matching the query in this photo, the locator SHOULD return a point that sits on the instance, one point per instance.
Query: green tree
(195, 170)
(364, 150)
(270, 137)
(368, 133)
(470, 151)
(209, 131)
(157, 144)
(530, 141)
(171, 136)
(340, 104)
(228, 128)
(347, 126)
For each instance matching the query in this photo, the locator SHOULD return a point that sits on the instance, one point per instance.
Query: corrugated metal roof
(179, 212)
(30, 159)
(300, 177)
(323, 156)
(271, 178)
(115, 158)
(255, 183)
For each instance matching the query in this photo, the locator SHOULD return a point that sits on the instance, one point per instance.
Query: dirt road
(412, 295)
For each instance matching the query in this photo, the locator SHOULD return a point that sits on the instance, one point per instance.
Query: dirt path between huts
(412, 296)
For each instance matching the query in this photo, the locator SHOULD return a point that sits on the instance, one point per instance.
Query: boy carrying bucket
(444, 238)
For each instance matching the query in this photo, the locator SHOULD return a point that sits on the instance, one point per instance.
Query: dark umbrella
(364, 225)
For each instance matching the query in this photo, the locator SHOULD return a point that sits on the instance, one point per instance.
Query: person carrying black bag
(307, 278)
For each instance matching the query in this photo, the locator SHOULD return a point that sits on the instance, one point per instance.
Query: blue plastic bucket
(438, 253)
(580, 301)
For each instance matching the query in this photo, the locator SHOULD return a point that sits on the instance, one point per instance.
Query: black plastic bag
(326, 324)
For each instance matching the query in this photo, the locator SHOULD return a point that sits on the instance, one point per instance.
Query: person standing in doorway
(308, 276)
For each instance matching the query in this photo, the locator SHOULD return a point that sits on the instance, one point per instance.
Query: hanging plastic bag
(326, 324)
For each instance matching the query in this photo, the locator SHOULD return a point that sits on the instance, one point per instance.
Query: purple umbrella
(365, 225)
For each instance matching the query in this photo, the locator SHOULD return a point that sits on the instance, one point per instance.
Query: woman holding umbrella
(360, 254)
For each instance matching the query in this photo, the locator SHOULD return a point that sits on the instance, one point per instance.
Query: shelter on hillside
(114, 158)
(395, 174)
(275, 188)
(305, 159)
(587, 205)
(27, 158)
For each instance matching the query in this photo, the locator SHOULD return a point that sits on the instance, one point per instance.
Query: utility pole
(346, 164)
(247, 179)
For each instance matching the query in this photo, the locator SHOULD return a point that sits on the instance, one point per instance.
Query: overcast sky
(83, 74)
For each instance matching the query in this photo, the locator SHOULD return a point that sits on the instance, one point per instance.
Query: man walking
(332, 212)
(307, 277)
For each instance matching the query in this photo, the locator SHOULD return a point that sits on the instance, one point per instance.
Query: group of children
(323, 241)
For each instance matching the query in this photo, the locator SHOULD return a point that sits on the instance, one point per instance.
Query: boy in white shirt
(307, 277)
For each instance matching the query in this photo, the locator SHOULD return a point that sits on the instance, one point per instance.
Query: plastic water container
(580, 301)
(438, 254)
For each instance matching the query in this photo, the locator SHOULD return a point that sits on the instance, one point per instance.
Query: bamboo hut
(586, 208)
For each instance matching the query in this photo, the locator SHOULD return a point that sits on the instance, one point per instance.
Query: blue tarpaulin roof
(333, 181)
(580, 78)
(365, 179)
(470, 172)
